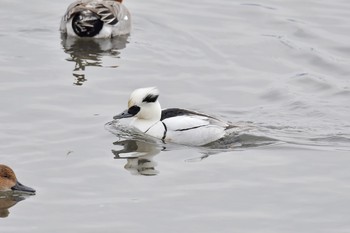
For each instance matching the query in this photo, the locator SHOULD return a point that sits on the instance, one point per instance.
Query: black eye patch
(150, 98)
(133, 110)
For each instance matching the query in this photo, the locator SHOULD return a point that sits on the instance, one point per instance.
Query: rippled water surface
(278, 68)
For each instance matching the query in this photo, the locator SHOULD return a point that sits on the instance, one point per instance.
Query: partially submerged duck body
(174, 125)
(192, 128)
(96, 19)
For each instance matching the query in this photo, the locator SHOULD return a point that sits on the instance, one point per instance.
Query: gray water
(279, 67)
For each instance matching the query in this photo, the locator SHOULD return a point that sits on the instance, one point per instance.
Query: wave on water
(245, 135)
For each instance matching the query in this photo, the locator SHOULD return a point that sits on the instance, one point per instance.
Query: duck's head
(143, 104)
(8, 181)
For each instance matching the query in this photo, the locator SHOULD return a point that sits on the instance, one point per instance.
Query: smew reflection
(139, 149)
(139, 156)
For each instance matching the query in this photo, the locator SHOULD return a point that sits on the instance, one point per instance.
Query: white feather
(194, 130)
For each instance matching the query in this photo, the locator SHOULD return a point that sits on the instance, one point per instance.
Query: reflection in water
(86, 52)
(241, 141)
(139, 156)
(7, 200)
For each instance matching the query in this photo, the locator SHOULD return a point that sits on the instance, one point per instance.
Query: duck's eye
(134, 110)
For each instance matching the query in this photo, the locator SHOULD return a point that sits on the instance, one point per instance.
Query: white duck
(96, 18)
(175, 125)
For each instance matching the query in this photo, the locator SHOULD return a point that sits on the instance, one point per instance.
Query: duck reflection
(139, 156)
(85, 52)
(6, 202)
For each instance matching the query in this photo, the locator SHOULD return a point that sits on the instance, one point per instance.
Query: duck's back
(96, 18)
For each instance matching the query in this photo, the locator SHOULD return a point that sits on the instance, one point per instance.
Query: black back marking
(86, 28)
(150, 98)
(173, 112)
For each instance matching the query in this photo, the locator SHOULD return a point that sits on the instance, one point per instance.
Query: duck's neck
(148, 118)
(143, 125)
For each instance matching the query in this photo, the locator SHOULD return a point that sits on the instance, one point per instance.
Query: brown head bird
(8, 181)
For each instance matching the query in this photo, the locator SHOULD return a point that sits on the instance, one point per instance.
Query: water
(280, 67)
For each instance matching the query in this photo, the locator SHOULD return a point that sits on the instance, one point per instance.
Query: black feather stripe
(150, 98)
(86, 28)
(195, 127)
(165, 130)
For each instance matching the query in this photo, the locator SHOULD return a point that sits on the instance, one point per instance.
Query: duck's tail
(87, 23)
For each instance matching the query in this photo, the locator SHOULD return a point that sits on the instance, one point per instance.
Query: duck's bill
(124, 114)
(22, 188)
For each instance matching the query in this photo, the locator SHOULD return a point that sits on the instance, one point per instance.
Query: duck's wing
(110, 12)
(184, 119)
(184, 123)
(194, 130)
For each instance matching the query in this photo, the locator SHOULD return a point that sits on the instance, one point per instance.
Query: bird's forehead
(130, 103)
(137, 97)
(134, 99)
(5, 171)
